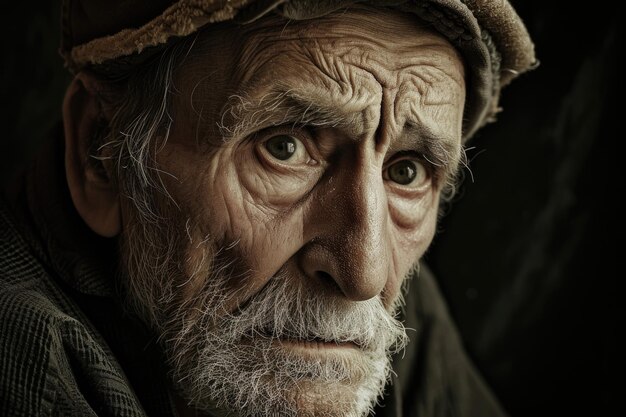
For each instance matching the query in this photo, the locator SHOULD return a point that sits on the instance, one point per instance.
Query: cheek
(237, 209)
(413, 241)
(226, 199)
(408, 214)
(413, 225)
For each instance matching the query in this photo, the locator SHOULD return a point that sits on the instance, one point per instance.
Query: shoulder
(52, 361)
(32, 323)
(437, 376)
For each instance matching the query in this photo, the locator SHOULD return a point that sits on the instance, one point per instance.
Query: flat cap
(489, 34)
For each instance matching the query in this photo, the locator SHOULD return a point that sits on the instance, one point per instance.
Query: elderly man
(231, 216)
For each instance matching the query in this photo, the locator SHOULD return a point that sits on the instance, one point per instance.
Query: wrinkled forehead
(273, 51)
(398, 38)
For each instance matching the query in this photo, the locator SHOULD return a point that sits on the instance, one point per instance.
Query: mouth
(314, 343)
(308, 342)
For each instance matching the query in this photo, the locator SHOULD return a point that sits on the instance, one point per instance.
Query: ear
(93, 192)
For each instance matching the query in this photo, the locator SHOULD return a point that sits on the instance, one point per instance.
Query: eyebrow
(440, 150)
(242, 116)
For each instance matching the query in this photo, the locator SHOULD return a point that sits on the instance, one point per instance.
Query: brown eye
(282, 147)
(403, 172)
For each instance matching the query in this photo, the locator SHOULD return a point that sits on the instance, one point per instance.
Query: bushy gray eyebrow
(242, 115)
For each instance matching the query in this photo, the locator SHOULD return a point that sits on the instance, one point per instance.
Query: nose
(349, 229)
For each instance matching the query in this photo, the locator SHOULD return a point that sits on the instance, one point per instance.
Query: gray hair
(141, 99)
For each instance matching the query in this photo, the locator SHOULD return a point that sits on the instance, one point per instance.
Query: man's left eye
(287, 149)
(407, 172)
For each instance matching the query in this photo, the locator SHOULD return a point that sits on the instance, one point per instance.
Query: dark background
(527, 256)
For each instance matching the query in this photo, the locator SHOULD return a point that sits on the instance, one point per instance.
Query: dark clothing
(67, 348)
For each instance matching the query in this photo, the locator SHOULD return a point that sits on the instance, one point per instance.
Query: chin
(268, 377)
(352, 382)
(332, 400)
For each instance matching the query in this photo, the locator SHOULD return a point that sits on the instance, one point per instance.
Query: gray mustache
(287, 310)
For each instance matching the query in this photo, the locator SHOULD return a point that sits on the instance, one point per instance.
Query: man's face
(304, 170)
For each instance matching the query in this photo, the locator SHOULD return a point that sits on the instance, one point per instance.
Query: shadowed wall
(527, 258)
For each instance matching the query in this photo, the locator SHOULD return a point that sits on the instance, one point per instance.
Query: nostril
(327, 280)
(324, 276)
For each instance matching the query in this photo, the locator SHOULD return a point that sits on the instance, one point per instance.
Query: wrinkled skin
(369, 89)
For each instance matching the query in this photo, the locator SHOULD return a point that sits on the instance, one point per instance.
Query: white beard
(242, 362)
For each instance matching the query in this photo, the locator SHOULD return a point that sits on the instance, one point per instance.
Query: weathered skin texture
(330, 213)
(354, 95)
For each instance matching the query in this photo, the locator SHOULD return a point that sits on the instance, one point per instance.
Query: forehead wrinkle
(436, 73)
(417, 97)
(386, 64)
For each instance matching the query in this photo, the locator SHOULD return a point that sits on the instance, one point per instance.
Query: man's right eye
(282, 147)
(285, 149)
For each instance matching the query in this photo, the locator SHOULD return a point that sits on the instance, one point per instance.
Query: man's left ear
(93, 191)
